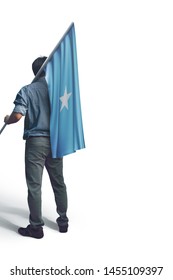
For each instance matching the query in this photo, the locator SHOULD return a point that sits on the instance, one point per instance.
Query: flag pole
(2, 128)
(50, 56)
(46, 61)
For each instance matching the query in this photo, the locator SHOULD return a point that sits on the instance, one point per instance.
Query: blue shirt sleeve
(21, 102)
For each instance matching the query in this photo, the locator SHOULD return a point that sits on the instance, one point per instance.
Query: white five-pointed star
(64, 99)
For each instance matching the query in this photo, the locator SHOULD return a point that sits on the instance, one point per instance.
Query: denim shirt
(32, 101)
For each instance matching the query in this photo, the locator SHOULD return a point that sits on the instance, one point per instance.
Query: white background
(120, 186)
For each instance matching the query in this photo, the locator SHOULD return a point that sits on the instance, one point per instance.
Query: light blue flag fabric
(66, 128)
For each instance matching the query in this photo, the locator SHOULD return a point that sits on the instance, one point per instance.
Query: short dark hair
(36, 65)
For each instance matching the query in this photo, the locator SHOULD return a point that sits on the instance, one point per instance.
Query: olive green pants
(38, 156)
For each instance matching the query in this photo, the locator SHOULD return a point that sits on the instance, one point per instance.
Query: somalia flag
(66, 128)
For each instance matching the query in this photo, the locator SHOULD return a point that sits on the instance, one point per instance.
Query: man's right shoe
(63, 229)
(31, 232)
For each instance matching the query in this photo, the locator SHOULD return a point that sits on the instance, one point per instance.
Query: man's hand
(6, 118)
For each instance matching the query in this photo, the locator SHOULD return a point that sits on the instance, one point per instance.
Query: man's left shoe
(31, 232)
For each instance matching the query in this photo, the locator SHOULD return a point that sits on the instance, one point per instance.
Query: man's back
(33, 101)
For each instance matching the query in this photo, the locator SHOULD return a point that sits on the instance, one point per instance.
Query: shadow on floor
(5, 223)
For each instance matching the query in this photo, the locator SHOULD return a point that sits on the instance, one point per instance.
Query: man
(32, 101)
